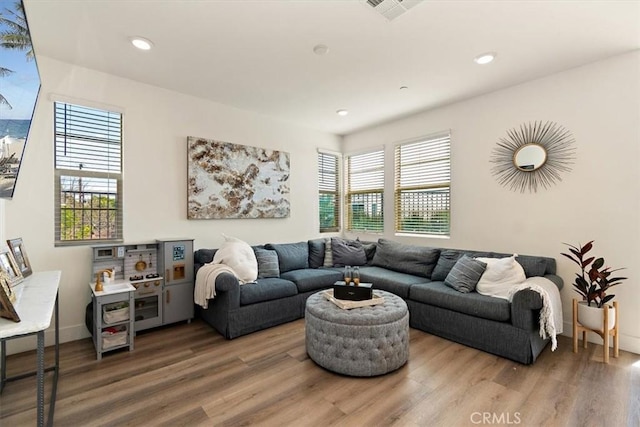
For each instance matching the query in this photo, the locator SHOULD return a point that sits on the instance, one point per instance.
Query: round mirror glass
(530, 157)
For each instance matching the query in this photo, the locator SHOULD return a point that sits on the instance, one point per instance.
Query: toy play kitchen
(160, 276)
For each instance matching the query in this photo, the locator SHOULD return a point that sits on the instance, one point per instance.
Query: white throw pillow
(240, 257)
(500, 275)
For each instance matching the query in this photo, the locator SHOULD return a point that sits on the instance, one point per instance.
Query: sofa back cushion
(416, 260)
(291, 256)
(316, 253)
(532, 265)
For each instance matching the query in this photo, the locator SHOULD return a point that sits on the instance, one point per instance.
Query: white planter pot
(593, 317)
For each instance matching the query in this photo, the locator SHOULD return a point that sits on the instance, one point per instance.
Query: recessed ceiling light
(141, 43)
(342, 112)
(320, 49)
(485, 58)
(404, 87)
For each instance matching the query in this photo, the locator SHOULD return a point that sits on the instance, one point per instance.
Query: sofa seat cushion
(311, 279)
(474, 304)
(389, 280)
(266, 290)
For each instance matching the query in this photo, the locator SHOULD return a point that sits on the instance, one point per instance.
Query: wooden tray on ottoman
(346, 304)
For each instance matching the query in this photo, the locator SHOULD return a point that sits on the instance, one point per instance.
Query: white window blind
(88, 174)
(422, 186)
(329, 192)
(365, 188)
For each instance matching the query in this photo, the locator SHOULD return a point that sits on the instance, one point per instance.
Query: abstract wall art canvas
(19, 87)
(228, 180)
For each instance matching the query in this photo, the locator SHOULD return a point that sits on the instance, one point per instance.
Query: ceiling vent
(391, 9)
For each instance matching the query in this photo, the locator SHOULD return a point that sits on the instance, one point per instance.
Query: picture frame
(10, 268)
(20, 256)
(7, 299)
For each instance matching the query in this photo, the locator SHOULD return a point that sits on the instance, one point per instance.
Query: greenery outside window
(88, 175)
(365, 188)
(329, 192)
(422, 186)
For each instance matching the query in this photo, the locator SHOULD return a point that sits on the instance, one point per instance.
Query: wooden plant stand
(604, 334)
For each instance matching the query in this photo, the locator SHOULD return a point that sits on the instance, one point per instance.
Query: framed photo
(9, 266)
(20, 256)
(7, 298)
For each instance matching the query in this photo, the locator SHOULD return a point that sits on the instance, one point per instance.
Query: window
(365, 187)
(329, 192)
(88, 174)
(422, 186)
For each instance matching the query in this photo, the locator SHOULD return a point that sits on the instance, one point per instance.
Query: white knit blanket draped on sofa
(551, 322)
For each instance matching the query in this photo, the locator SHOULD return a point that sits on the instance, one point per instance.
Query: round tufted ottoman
(360, 342)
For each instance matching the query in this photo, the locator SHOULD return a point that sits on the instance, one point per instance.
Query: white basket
(114, 316)
(110, 340)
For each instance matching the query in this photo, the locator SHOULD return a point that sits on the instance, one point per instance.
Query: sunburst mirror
(532, 156)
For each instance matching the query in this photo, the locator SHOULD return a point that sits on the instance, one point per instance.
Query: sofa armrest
(525, 309)
(555, 279)
(227, 291)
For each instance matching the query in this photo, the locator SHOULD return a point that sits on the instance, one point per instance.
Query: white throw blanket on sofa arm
(205, 287)
(551, 322)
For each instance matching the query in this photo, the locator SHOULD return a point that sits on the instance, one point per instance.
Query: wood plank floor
(187, 374)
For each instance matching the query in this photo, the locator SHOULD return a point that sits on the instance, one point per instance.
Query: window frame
(435, 171)
(365, 188)
(63, 171)
(329, 187)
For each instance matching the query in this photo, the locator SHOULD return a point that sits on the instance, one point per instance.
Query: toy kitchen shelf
(113, 314)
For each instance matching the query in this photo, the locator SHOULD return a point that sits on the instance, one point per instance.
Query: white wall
(600, 199)
(156, 124)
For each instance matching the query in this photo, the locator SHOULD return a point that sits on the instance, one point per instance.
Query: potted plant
(593, 282)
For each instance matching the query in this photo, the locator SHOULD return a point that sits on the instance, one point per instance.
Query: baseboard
(627, 342)
(67, 334)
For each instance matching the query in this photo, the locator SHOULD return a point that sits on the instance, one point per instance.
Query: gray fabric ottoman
(360, 342)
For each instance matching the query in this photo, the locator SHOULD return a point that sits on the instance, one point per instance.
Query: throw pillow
(291, 256)
(267, 263)
(347, 252)
(465, 274)
(416, 260)
(316, 253)
(328, 254)
(369, 249)
(500, 275)
(240, 257)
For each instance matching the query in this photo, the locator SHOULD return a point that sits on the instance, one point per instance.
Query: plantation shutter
(422, 186)
(329, 192)
(88, 173)
(365, 187)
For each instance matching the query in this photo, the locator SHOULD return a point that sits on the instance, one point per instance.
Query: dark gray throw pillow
(291, 256)
(347, 252)
(465, 274)
(416, 260)
(316, 253)
(267, 263)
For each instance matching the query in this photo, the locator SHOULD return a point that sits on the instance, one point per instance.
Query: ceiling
(257, 55)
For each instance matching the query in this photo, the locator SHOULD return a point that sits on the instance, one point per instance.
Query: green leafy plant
(594, 279)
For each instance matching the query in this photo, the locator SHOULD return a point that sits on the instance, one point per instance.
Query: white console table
(36, 299)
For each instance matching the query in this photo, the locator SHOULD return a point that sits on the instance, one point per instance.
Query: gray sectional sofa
(505, 328)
